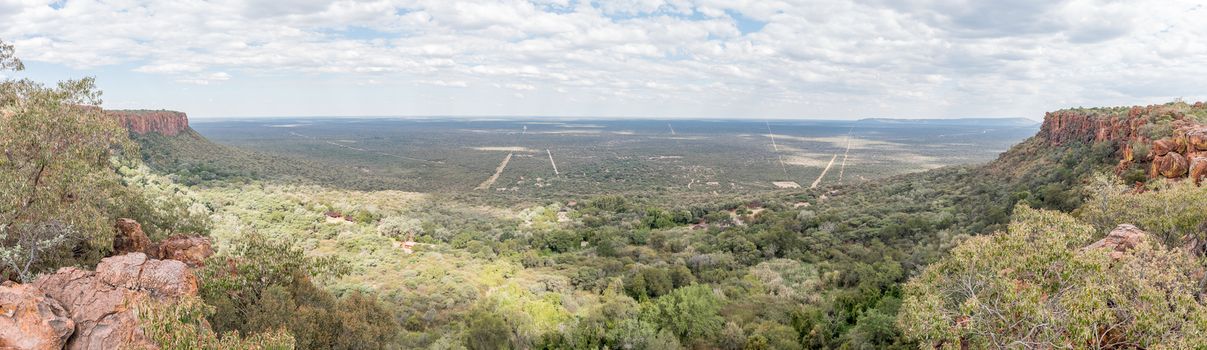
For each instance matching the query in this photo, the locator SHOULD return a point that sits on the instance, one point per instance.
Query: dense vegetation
(814, 269)
(631, 157)
(1033, 286)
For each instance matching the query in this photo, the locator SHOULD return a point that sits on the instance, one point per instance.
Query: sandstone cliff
(140, 122)
(1166, 140)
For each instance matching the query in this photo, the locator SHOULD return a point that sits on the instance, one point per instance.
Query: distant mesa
(141, 122)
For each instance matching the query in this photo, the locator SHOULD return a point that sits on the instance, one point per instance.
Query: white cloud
(658, 57)
(454, 83)
(205, 79)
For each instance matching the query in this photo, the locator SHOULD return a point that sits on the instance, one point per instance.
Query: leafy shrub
(1034, 285)
(182, 326)
(267, 285)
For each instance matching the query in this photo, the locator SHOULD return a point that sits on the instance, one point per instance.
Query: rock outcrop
(1170, 165)
(1182, 154)
(101, 303)
(1063, 127)
(168, 123)
(1174, 156)
(1163, 147)
(1198, 169)
(30, 320)
(192, 250)
(129, 237)
(1123, 238)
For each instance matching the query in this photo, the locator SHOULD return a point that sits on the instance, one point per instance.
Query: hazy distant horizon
(552, 118)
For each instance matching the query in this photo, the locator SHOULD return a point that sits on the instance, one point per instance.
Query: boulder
(1196, 138)
(101, 303)
(1198, 169)
(1123, 238)
(129, 237)
(1162, 147)
(192, 250)
(1171, 165)
(30, 320)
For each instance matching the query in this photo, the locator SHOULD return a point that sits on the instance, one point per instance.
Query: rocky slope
(80, 309)
(141, 122)
(1166, 141)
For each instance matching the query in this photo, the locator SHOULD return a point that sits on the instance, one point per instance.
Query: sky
(766, 59)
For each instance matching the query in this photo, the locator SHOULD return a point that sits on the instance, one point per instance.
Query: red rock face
(140, 122)
(1064, 127)
(100, 303)
(129, 237)
(1170, 157)
(1161, 147)
(31, 320)
(1196, 138)
(1198, 169)
(192, 250)
(1171, 165)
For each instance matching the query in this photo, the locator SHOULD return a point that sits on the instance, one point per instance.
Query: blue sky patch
(745, 24)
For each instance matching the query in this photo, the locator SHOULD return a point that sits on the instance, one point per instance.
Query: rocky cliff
(1066, 126)
(169, 123)
(1168, 140)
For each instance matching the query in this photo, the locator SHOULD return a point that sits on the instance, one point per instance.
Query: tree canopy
(56, 176)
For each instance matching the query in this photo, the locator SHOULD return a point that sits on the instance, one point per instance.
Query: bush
(182, 326)
(692, 313)
(267, 286)
(1035, 285)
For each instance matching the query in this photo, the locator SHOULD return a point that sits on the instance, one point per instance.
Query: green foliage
(1033, 285)
(364, 322)
(9, 61)
(398, 227)
(56, 182)
(1171, 211)
(160, 206)
(486, 330)
(648, 282)
(182, 326)
(267, 285)
(692, 313)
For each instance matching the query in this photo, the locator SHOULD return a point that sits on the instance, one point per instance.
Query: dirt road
(498, 171)
(824, 171)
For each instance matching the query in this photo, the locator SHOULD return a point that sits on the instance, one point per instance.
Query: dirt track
(555, 172)
(842, 169)
(776, 148)
(498, 171)
(823, 172)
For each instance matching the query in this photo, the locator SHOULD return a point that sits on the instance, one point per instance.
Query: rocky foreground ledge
(79, 309)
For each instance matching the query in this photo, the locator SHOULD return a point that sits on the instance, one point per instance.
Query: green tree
(8, 60)
(181, 325)
(363, 321)
(486, 330)
(56, 178)
(267, 285)
(398, 227)
(692, 313)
